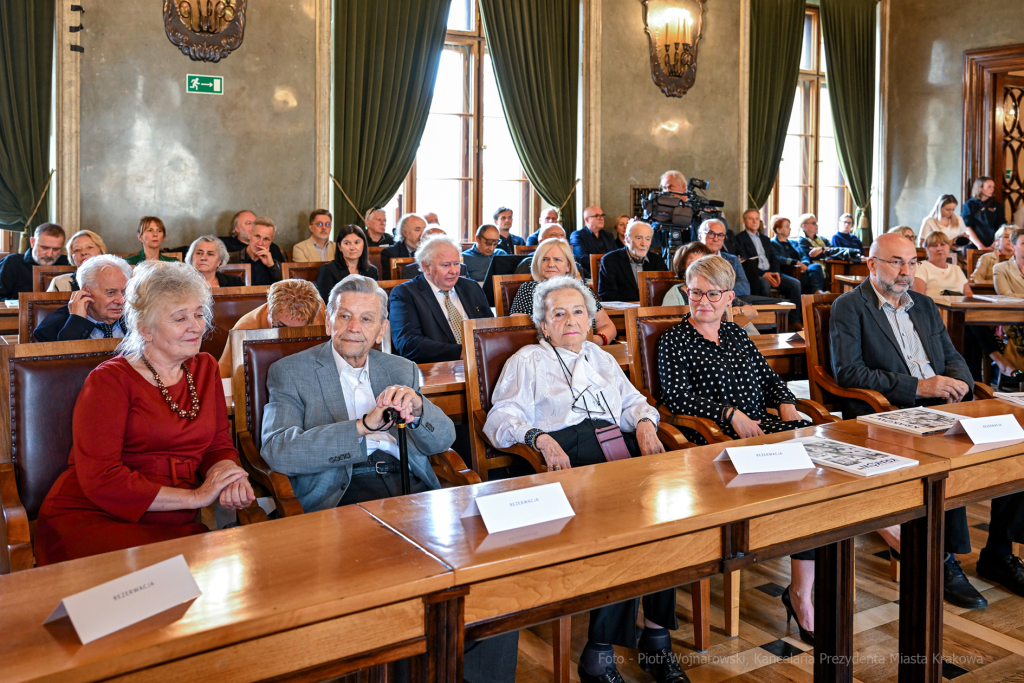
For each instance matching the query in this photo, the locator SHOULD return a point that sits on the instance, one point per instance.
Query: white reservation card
(993, 431)
(522, 507)
(127, 600)
(776, 457)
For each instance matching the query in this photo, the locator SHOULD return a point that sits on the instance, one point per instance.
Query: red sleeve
(100, 419)
(222, 447)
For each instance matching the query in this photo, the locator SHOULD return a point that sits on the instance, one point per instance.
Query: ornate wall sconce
(674, 29)
(205, 30)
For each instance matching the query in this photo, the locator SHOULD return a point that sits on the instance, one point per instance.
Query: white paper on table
(521, 507)
(127, 600)
(989, 433)
(776, 457)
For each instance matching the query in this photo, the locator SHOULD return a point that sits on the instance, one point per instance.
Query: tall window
(466, 165)
(810, 180)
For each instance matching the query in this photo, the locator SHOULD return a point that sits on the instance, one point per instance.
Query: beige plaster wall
(147, 147)
(924, 137)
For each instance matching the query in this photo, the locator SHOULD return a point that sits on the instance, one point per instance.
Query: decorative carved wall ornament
(674, 29)
(205, 30)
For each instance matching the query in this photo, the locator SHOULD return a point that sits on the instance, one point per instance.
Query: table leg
(921, 590)
(781, 321)
(955, 327)
(833, 613)
(732, 603)
(446, 633)
(561, 644)
(700, 592)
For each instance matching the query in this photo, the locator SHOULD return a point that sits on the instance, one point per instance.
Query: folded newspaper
(1016, 398)
(920, 421)
(852, 459)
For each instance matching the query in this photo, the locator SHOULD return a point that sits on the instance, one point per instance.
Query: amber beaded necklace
(194, 411)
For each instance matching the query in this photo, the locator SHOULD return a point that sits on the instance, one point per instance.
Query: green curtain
(26, 70)
(848, 30)
(386, 56)
(776, 38)
(534, 47)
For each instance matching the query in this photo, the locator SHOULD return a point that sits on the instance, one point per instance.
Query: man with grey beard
(45, 248)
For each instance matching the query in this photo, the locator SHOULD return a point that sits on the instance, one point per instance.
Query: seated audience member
(712, 234)
(478, 257)
(1002, 251)
(1009, 281)
(376, 220)
(44, 250)
(152, 234)
(410, 229)
(547, 217)
(761, 265)
(867, 324)
(94, 311)
(812, 275)
(550, 231)
(552, 396)
(82, 246)
(592, 239)
(431, 218)
(507, 242)
(687, 254)
(943, 218)
(411, 270)
(266, 269)
(811, 245)
(143, 464)
(290, 303)
(206, 255)
(983, 214)
(241, 230)
(428, 310)
(318, 246)
(906, 231)
(618, 279)
(553, 258)
(621, 223)
(845, 237)
(351, 257)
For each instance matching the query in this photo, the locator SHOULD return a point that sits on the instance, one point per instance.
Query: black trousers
(979, 342)
(615, 624)
(366, 487)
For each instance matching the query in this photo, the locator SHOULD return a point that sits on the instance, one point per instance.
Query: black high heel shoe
(805, 635)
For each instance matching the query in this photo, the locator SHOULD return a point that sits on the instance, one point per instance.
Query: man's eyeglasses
(715, 235)
(321, 224)
(596, 215)
(713, 295)
(899, 263)
(490, 243)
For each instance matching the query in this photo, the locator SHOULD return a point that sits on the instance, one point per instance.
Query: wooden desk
(958, 311)
(786, 358)
(660, 521)
(848, 282)
(779, 311)
(324, 593)
(982, 287)
(836, 267)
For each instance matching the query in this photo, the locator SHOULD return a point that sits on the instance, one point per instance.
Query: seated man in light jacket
(324, 423)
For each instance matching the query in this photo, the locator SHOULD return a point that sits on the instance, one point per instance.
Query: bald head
(890, 245)
(593, 218)
(552, 230)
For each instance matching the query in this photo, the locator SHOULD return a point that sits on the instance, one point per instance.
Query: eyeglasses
(715, 235)
(713, 295)
(899, 263)
(596, 215)
(490, 243)
(321, 224)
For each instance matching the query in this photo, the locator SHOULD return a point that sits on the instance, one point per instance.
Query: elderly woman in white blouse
(552, 396)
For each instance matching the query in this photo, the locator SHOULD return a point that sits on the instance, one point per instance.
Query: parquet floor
(979, 645)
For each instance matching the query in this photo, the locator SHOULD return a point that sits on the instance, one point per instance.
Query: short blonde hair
(153, 285)
(714, 269)
(935, 239)
(298, 299)
(806, 218)
(79, 235)
(546, 246)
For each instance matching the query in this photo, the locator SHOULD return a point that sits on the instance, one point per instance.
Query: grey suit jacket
(307, 433)
(866, 355)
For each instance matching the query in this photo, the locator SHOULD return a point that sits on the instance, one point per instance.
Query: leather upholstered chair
(655, 284)
(33, 307)
(397, 264)
(524, 249)
(242, 270)
(42, 275)
(595, 272)
(307, 270)
(387, 285)
(505, 289)
(373, 253)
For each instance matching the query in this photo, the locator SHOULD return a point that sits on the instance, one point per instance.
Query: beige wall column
(67, 125)
(590, 84)
(322, 106)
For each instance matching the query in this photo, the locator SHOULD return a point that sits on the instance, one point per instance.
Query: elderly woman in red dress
(151, 438)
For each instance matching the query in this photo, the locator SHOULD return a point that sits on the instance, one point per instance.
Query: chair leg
(700, 593)
(894, 569)
(731, 605)
(561, 637)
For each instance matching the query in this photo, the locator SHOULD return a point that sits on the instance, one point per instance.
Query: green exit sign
(207, 85)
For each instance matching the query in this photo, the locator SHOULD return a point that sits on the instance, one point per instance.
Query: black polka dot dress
(523, 303)
(702, 378)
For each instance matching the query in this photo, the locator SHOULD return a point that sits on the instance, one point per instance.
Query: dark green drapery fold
(776, 37)
(386, 56)
(848, 30)
(26, 68)
(534, 46)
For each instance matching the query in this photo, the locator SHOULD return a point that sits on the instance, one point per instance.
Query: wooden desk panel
(958, 311)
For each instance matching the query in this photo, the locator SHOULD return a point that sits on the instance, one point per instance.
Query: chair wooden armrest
(252, 514)
(672, 437)
(279, 485)
(703, 426)
(819, 415)
(17, 552)
(530, 455)
(448, 466)
(983, 391)
(874, 399)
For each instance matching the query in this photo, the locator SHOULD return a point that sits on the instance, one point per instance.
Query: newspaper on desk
(999, 299)
(1016, 398)
(919, 421)
(852, 459)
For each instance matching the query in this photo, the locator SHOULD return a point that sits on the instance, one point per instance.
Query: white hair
(706, 225)
(357, 284)
(427, 247)
(90, 270)
(557, 284)
(222, 251)
(633, 223)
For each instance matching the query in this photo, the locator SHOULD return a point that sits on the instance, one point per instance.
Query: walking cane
(403, 448)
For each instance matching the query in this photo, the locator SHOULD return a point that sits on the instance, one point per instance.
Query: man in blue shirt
(592, 239)
(478, 257)
(546, 218)
(845, 237)
(507, 242)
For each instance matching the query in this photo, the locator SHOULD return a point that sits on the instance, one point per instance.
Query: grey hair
(706, 225)
(427, 247)
(154, 285)
(557, 284)
(370, 212)
(88, 272)
(633, 223)
(404, 220)
(671, 175)
(222, 251)
(357, 284)
(714, 269)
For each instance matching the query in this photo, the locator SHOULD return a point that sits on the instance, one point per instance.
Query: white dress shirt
(906, 335)
(532, 392)
(762, 258)
(359, 399)
(440, 301)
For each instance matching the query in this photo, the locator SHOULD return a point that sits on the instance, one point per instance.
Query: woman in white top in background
(946, 220)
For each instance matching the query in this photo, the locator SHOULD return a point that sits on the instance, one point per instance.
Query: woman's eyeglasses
(713, 295)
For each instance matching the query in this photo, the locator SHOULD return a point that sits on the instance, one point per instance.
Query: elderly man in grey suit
(324, 423)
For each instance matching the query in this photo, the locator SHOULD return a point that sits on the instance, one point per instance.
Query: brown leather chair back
(230, 304)
(43, 390)
(397, 264)
(388, 285)
(595, 271)
(33, 309)
(822, 316)
(493, 348)
(257, 357)
(374, 256)
(649, 331)
(43, 275)
(301, 271)
(524, 249)
(654, 285)
(242, 270)
(505, 289)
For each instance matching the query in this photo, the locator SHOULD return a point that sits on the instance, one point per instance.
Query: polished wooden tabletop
(256, 580)
(969, 302)
(785, 344)
(621, 504)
